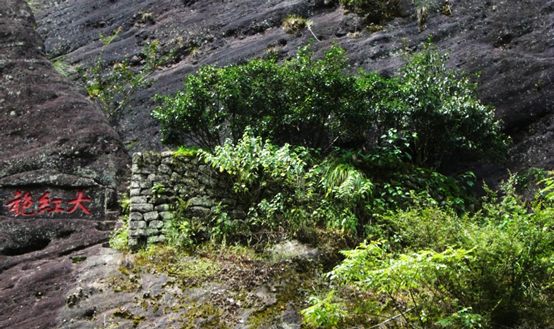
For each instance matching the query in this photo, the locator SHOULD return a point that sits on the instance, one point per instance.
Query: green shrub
(548, 190)
(431, 111)
(441, 107)
(301, 102)
(183, 232)
(488, 270)
(119, 237)
(324, 313)
(288, 188)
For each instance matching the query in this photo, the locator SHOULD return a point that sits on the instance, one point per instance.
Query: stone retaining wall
(159, 180)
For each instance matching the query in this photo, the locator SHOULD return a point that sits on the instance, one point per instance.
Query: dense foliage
(291, 191)
(302, 102)
(315, 103)
(487, 270)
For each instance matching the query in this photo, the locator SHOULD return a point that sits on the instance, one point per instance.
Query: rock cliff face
(511, 43)
(60, 166)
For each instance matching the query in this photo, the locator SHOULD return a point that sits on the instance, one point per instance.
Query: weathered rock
(135, 216)
(167, 215)
(200, 212)
(150, 232)
(202, 202)
(168, 159)
(138, 233)
(146, 192)
(164, 169)
(157, 224)
(190, 182)
(60, 155)
(138, 199)
(141, 207)
(162, 207)
(134, 225)
(151, 216)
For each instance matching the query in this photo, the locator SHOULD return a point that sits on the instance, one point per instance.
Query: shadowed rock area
(60, 167)
(509, 42)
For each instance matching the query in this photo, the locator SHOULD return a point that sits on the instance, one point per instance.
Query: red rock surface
(50, 136)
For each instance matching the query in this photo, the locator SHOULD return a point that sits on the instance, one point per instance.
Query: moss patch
(127, 315)
(78, 259)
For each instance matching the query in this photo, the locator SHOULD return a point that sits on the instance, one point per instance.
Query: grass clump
(119, 237)
(294, 24)
(33, 5)
(191, 271)
(61, 67)
(374, 11)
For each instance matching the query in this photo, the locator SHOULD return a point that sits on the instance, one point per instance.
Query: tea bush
(433, 111)
(302, 102)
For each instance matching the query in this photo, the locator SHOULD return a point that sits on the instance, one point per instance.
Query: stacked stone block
(159, 180)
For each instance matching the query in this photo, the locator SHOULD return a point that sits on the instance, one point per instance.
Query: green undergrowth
(426, 265)
(437, 268)
(203, 315)
(296, 192)
(119, 237)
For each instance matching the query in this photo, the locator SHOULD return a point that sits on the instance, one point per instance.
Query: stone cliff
(60, 167)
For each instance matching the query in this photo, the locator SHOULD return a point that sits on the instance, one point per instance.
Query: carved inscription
(22, 203)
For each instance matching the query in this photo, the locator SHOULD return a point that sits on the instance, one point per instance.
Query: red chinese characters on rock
(22, 204)
(78, 202)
